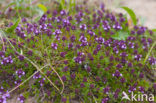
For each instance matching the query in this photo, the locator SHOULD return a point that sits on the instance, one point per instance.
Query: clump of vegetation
(82, 54)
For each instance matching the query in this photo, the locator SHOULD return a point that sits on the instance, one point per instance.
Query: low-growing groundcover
(87, 55)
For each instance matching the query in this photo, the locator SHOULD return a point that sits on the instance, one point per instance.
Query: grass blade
(13, 27)
(42, 7)
(131, 14)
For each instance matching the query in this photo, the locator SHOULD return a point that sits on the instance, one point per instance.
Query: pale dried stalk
(2, 42)
(149, 52)
(58, 76)
(25, 81)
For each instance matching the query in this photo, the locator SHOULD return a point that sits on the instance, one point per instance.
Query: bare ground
(144, 9)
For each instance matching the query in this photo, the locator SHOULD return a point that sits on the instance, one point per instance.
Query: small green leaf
(154, 30)
(120, 35)
(42, 7)
(131, 14)
(154, 34)
(13, 27)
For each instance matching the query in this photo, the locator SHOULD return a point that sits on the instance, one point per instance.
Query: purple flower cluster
(20, 73)
(21, 98)
(3, 95)
(54, 46)
(80, 58)
(6, 60)
(37, 75)
(152, 60)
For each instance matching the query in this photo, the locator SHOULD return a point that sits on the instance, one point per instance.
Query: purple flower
(122, 80)
(141, 30)
(73, 27)
(117, 74)
(141, 75)
(100, 40)
(66, 22)
(104, 100)
(152, 60)
(63, 100)
(2, 54)
(20, 73)
(24, 20)
(106, 26)
(115, 50)
(78, 18)
(154, 86)
(88, 69)
(54, 12)
(117, 26)
(2, 100)
(119, 66)
(69, 18)
(97, 78)
(6, 60)
(37, 76)
(137, 57)
(83, 27)
(92, 86)
(102, 6)
(116, 94)
(73, 76)
(21, 98)
(30, 52)
(130, 64)
(63, 12)
(65, 62)
(78, 60)
(17, 82)
(91, 33)
(82, 85)
(131, 45)
(64, 78)
(49, 32)
(123, 54)
(21, 57)
(62, 54)
(98, 47)
(72, 38)
(122, 19)
(122, 45)
(57, 38)
(64, 38)
(131, 89)
(42, 81)
(57, 32)
(54, 46)
(82, 38)
(70, 45)
(65, 69)
(43, 26)
(141, 89)
(95, 52)
(106, 90)
(84, 79)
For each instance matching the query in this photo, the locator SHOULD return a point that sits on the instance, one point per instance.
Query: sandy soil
(144, 9)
